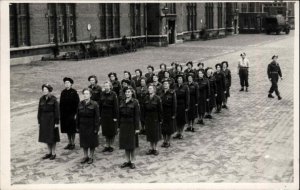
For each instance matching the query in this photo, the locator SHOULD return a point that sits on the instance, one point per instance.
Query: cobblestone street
(252, 141)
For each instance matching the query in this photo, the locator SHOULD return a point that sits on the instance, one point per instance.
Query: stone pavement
(250, 142)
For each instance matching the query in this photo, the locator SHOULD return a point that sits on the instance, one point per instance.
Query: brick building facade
(36, 28)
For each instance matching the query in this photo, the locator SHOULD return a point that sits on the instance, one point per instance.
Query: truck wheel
(287, 31)
(278, 32)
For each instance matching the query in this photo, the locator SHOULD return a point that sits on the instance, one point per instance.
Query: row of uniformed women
(126, 104)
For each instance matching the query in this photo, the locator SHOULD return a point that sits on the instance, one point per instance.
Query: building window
(220, 15)
(61, 22)
(251, 7)
(244, 7)
(209, 15)
(109, 20)
(19, 24)
(135, 19)
(171, 7)
(191, 16)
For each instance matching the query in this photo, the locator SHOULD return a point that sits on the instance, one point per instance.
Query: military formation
(156, 104)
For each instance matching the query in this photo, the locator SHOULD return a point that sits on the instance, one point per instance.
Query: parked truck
(277, 24)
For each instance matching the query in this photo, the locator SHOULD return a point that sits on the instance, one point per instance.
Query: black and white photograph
(149, 94)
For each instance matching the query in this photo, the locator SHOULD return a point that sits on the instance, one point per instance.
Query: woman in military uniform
(137, 77)
(212, 92)
(141, 93)
(129, 119)
(109, 113)
(158, 85)
(48, 120)
(161, 73)
(183, 100)
(204, 94)
(179, 71)
(127, 76)
(150, 74)
(169, 104)
(116, 85)
(227, 73)
(96, 89)
(68, 104)
(189, 68)
(172, 71)
(200, 66)
(88, 123)
(152, 113)
(171, 80)
(194, 98)
(221, 86)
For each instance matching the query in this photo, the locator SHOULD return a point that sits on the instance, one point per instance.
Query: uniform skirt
(153, 128)
(48, 133)
(127, 138)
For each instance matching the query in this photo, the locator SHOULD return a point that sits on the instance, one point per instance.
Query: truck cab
(277, 24)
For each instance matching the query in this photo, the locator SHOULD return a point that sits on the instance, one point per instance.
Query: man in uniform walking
(243, 70)
(273, 72)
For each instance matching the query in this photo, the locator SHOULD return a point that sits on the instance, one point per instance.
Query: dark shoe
(246, 89)
(279, 98)
(52, 157)
(132, 166)
(110, 149)
(176, 136)
(46, 156)
(209, 116)
(125, 164)
(193, 130)
(91, 160)
(225, 106)
(84, 160)
(188, 129)
(270, 96)
(199, 121)
(72, 147)
(206, 116)
(155, 152)
(164, 144)
(106, 149)
(242, 89)
(180, 137)
(149, 152)
(167, 145)
(67, 147)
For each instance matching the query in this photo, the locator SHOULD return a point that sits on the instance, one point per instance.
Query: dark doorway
(171, 31)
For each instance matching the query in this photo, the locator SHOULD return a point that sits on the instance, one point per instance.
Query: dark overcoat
(274, 71)
(68, 104)
(161, 75)
(169, 105)
(204, 94)
(48, 116)
(109, 110)
(221, 87)
(129, 121)
(152, 114)
(183, 102)
(194, 98)
(88, 123)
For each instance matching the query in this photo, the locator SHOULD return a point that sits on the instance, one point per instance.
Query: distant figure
(273, 72)
(243, 71)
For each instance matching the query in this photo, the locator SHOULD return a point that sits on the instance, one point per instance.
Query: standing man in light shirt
(243, 69)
